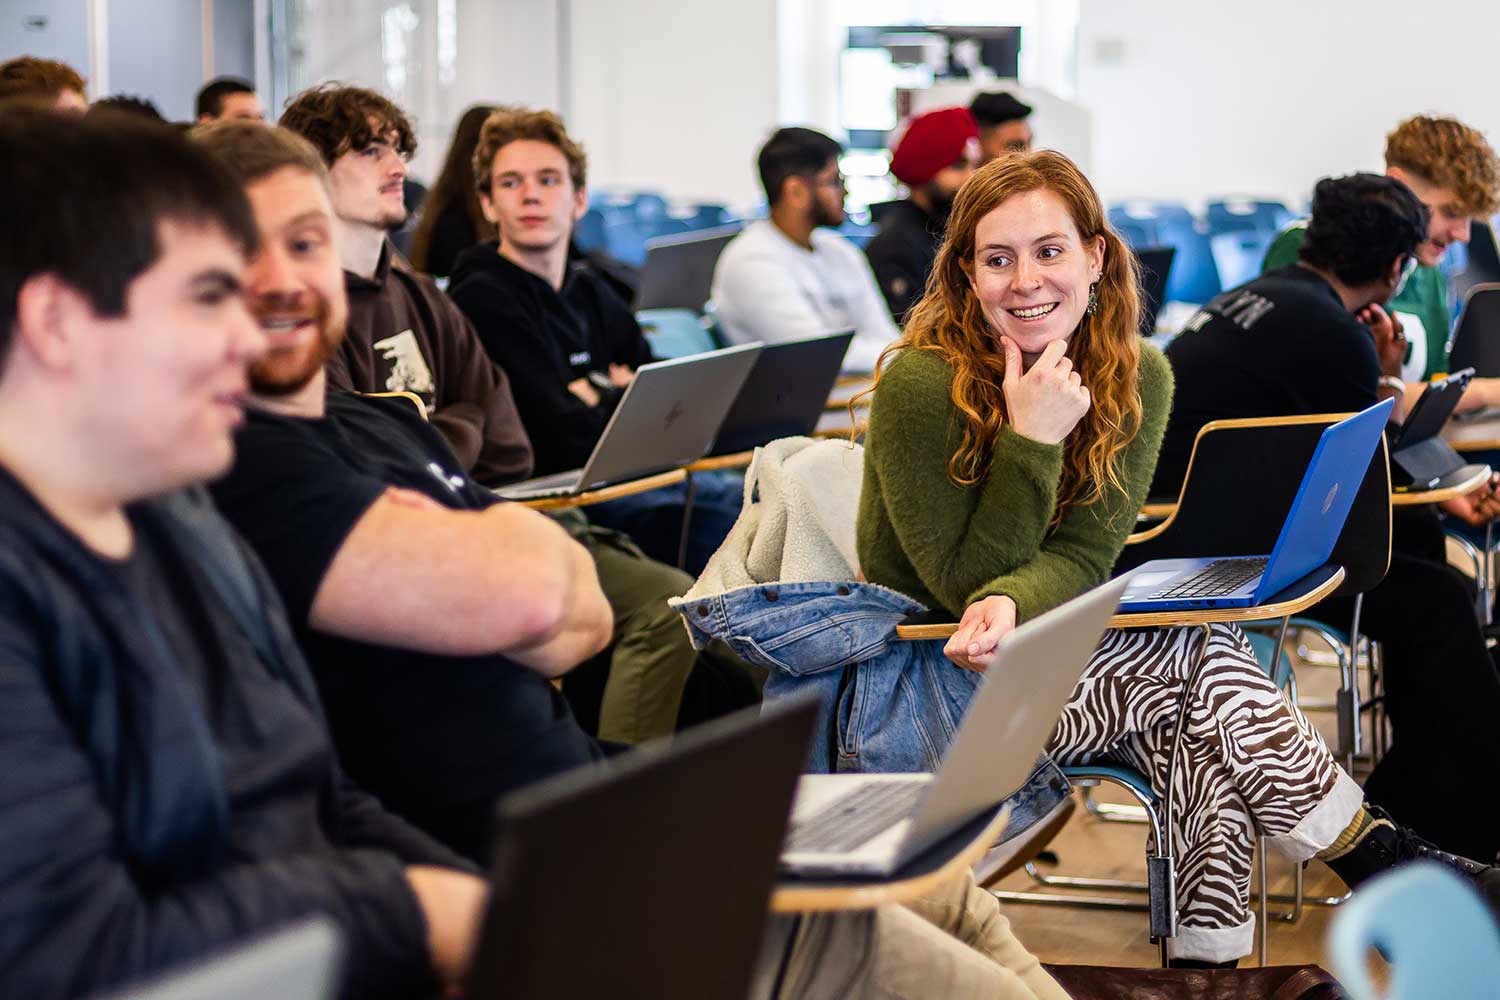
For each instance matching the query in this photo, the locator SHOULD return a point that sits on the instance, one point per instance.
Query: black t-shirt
(1281, 345)
(437, 738)
(902, 253)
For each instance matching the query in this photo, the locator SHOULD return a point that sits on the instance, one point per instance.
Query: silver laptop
(298, 963)
(667, 418)
(872, 824)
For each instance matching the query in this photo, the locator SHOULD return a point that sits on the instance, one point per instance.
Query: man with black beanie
(1003, 127)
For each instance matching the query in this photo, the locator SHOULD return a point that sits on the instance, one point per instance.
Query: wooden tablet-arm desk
(938, 865)
(606, 493)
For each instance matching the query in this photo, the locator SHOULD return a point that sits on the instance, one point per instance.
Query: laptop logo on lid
(672, 415)
(1328, 500)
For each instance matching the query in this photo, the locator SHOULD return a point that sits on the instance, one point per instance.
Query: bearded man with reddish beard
(434, 616)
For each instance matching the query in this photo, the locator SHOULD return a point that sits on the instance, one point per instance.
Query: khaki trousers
(952, 943)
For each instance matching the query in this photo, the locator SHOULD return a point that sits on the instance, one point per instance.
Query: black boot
(1386, 844)
(1193, 963)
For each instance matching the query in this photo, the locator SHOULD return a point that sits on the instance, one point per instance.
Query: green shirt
(949, 546)
(1425, 297)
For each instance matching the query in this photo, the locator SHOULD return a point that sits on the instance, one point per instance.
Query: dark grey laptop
(1476, 339)
(300, 962)
(667, 418)
(679, 269)
(1156, 266)
(647, 875)
(1420, 458)
(785, 394)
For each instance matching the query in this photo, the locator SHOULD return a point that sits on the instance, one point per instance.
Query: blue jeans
(884, 705)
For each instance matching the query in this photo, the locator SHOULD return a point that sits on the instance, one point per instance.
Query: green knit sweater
(949, 546)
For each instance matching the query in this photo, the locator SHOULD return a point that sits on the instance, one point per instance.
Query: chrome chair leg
(1111, 812)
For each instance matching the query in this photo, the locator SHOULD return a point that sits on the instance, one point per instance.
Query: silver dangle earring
(1093, 299)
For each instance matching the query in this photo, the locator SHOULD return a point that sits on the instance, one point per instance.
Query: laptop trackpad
(1145, 584)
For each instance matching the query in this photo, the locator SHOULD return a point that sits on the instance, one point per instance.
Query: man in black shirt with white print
(1313, 338)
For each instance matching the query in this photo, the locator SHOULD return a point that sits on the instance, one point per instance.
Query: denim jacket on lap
(783, 592)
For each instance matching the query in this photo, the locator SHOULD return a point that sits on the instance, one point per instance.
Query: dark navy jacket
(120, 854)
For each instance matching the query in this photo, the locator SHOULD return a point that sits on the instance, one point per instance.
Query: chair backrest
(1476, 339)
(1242, 477)
(1439, 938)
(1483, 264)
(1195, 275)
(410, 397)
(1238, 254)
(1228, 215)
(675, 333)
(707, 215)
(589, 233)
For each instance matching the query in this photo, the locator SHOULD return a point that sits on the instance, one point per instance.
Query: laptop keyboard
(1218, 579)
(856, 816)
(559, 484)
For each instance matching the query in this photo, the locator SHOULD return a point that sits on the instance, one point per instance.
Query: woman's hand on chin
(980, 630)
(1045, 403)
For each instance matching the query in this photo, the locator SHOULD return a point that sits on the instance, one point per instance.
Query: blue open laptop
(1306, 541)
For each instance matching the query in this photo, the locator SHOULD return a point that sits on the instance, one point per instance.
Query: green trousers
(650, 658)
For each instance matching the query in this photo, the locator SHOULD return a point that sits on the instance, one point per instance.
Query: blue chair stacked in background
(620, 223)
(1195, 276)
(677, 333)
(1240, 231)
(1223, 249)
(1440, 940)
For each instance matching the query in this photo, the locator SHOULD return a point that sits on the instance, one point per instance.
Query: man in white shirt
(783, 278)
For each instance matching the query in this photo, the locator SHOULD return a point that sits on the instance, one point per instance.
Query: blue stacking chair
(589, 233)
(1134, 232)
(612, 205)
(626, 238)
(1439, 938)
(1195, 276)
(624, 241)
(1232, 215)
(1238, 254)
(649, 205)
(709, 216)
(676, 333)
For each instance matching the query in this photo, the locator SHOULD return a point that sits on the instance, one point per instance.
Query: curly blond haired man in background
(1453, 170)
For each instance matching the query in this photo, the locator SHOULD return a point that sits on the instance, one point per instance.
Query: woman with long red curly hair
(1013, 434)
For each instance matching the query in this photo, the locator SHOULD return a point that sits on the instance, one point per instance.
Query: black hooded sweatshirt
(545, 339)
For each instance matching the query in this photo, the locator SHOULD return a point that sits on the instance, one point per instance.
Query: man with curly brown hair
(404, 334)
(43, 80)
(1455, 173)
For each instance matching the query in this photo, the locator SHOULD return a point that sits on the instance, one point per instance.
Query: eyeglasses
(835, 183)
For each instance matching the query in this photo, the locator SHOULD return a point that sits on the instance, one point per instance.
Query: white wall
(48, 29)
(156, 51)
(674, 95)
(1193, 99)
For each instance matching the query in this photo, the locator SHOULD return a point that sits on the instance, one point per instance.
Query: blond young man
(1455, 173)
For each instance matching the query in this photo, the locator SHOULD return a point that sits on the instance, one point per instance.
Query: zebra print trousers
(1250, 763)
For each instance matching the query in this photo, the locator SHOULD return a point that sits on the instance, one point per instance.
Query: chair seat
(1123, 775)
